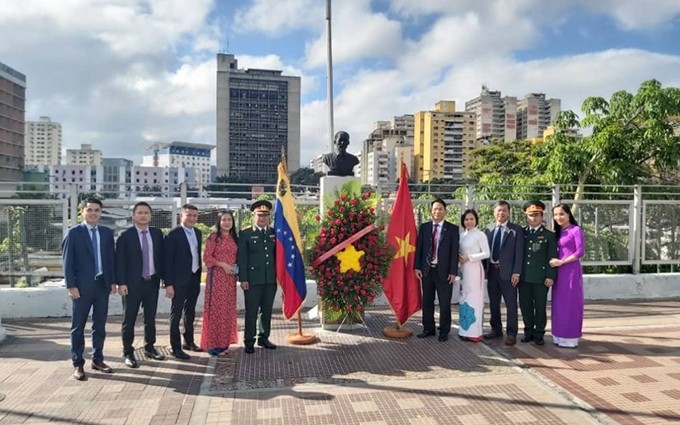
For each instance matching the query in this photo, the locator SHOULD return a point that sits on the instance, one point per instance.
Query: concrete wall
(52, 301)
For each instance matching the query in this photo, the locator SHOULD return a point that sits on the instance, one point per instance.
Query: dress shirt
(99, 247)
(193, 244)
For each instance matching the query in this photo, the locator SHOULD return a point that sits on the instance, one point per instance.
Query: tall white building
(388, 143)
(194, 156)
(42, 145)
(84, 156)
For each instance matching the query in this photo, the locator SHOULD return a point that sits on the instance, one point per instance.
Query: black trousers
(184, 306)
(145, 294)
(502, 288)
(533, 300)
(259, 300)
(434, 285)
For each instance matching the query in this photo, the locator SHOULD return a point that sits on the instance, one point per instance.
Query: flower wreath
(350, 257)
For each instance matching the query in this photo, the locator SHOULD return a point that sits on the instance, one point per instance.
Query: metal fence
(631, 226)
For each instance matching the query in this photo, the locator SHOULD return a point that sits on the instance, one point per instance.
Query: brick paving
(626, 370)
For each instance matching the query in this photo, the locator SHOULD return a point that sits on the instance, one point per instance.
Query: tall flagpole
(330, 75)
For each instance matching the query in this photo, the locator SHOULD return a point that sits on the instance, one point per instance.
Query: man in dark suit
(88, 256)
(540, 246)
(503, 271)
(436, 266)
(257, 274)
(139, 267)
(182, 274)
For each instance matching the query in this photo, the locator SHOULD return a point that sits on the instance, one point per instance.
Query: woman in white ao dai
(474, 247)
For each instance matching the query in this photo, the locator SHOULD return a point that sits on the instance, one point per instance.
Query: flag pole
(399, 330)
(296, 338)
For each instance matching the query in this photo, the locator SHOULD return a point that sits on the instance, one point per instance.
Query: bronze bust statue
(340, 162)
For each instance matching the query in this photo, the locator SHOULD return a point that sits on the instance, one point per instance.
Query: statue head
(341, 141)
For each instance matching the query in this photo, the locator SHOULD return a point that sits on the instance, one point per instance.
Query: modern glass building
(258, 114)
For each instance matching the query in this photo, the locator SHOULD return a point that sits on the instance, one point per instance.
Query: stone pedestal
(329, 184)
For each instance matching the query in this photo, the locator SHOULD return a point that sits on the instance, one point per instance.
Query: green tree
(305, 176)
(634, 137)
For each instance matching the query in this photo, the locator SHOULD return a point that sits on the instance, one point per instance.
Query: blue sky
(123, 74)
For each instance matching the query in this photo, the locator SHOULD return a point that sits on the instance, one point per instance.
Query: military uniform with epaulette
(540, 246)
(256, 266)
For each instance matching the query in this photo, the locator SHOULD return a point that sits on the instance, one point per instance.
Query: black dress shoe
(79, 373)
(192, 347)
(130, 361)
(425, 334)
(527, 338)
(539, 340)
(250, 349)
(492, 335)
(266, 344)
(101, 366)
(179, 354)
(153, 353)
(443, 338)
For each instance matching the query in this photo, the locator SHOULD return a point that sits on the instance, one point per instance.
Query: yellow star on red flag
(405, 247)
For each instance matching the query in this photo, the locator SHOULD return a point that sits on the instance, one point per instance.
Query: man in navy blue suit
(503, 271)
(436, 266)
(89, 268)
(183, 279)
(139, 268)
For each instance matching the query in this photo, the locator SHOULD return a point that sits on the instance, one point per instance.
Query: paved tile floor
(626, 370)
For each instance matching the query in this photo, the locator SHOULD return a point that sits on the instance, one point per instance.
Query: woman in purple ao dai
(567, 292)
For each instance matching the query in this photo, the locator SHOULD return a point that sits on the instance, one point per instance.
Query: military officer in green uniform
(540, 246)
(257, 275)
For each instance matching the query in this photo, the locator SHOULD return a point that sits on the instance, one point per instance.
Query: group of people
(515, 263)
(142, 260)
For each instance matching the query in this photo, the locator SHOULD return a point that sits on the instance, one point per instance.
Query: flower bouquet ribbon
(342, 245)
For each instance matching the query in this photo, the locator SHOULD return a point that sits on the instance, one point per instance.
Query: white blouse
(474, 244)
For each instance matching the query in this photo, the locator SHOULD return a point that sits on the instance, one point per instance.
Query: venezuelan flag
(290, 268)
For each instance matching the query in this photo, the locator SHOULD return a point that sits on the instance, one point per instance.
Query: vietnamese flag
(401, 286)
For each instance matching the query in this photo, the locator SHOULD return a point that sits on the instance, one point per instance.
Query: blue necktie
(95, 251)
(496, 249)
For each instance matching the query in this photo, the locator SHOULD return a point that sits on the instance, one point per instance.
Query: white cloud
(274, 17)
(358, 33)
(378, 95)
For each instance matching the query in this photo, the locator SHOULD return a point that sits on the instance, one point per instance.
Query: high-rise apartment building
(12, 123)
(258, 113)
(442, 139)
(535, 114)
(389, 143)
(495, 116)
(84, 156)
(42, 145)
